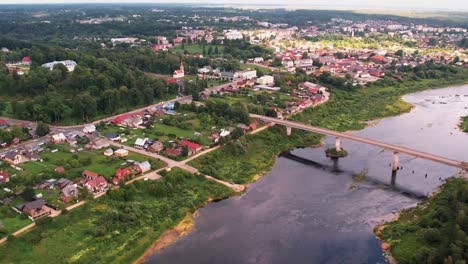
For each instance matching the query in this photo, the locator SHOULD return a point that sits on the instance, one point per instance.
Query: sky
(338, 4)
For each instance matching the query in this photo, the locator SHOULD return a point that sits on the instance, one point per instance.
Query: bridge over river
(339, 135)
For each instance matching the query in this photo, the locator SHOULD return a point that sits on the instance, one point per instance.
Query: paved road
(395, 148)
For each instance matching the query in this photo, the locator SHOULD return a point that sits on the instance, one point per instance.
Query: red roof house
(121, 173)
(26, 60)
(192, 147)
(4, 177)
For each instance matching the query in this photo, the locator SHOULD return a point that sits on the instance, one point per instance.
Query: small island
(333, 153)
(464, 124)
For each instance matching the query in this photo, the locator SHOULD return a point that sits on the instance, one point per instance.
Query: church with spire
(180, 72)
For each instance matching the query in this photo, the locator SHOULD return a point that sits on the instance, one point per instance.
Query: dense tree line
(437, 231)
(97, 86)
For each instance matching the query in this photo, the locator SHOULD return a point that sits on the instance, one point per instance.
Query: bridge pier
(466, 174)
(338, 144)
(288, 130)
(395, 161)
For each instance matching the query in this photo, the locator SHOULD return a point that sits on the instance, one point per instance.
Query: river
(313, 212)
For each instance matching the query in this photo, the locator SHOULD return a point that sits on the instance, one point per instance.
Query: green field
(252, 155)
(260, 69)
(75, 163)
(11, 221)
(118, 227)
(160, 132)
(197, 48)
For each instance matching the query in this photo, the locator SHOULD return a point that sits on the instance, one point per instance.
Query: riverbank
(169, 236)
(463, 125)
(434, 230)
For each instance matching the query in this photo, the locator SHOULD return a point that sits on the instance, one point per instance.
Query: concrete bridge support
(288, 131)
(395, 161)
(338, 144)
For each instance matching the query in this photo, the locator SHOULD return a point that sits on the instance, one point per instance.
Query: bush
(43, 221)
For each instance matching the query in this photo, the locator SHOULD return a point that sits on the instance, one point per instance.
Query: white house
(266, 80)
(67, 63)
(258, 60)
(58, 138)
(247, 74)
(140, 143)
(234, 34)
(89, 129)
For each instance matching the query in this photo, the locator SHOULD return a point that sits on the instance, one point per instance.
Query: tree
(185, 151)
(28, 194)
(42, 129)
(216, 51)
(237, 133)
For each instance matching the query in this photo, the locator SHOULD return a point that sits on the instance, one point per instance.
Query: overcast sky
(406, 4)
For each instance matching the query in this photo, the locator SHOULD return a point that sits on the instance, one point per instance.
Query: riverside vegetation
(464, 124)
(117, 227)
(436, 231)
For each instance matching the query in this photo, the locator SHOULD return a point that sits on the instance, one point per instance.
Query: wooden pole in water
(395, 161)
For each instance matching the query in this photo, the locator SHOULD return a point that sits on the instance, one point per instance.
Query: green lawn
(75, 163)
(160, 132)
(197, 48)
(12, 221)
(118, 227)
(260, 69)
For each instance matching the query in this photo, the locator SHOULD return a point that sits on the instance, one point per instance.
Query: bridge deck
(395, 148)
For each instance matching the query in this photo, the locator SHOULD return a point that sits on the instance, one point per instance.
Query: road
(454, 163)
(172, 163)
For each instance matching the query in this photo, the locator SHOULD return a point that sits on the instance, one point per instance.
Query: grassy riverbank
(435, 231)
(239, 162)
(117, 227)
(464, 124)
(347, 110)
(242, 161)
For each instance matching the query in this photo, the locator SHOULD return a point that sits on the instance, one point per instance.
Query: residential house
(35, 209)
(89, 129)
(173, 152)
(142, 167)
(58, 138)
(97, 144)
(192, 147)
(4, 177)
(69, 192)
(94, 182)
(140, 143)
(113, 136)
(108, 152)
(156, 147)
(15, 157)
(120, 174)
(62, 183)
(59, 169)
(3, 123)
(121, 153)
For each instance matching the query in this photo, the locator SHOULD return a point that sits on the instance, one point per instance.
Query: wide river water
(313, 212)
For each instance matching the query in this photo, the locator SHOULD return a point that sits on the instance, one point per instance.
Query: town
(163, 98)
